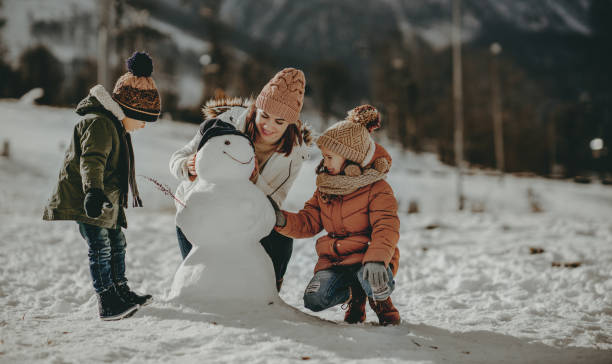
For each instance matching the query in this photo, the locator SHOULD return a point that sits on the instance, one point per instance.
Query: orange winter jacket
(362, 227)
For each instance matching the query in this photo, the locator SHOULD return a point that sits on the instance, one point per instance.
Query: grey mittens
(376, 274)
(281, 220)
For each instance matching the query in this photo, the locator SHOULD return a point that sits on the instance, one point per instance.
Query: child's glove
(281, 220)
(95, 199)
(376, 274)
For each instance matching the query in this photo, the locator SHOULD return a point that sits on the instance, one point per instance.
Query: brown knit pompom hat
(136, 92)
(351, 137)
(283, 95)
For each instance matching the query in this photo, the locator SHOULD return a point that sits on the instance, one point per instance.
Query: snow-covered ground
(468, 289)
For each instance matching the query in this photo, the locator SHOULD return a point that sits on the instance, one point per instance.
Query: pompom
(140, 64)
(352, 170)
(366, 115)
(381, 165)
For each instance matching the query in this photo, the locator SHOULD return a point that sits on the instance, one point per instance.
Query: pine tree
(38, 67)
(8, 86)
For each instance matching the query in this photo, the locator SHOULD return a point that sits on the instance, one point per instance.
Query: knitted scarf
(137, 201)
(330, 185)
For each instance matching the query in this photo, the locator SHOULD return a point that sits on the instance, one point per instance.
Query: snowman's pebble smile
(229, 155)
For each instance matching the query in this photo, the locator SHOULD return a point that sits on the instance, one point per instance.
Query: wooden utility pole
(104, 11)
(496, 110)
(458, 99)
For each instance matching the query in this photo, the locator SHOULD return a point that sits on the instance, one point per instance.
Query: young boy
(97, 172)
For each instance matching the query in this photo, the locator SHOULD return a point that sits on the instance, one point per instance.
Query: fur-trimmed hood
(234, 110)
(215, 107)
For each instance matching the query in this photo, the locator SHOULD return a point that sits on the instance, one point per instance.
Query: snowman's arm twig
(164, 188)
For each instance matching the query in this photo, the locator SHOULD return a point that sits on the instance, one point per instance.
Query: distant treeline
(556, 90)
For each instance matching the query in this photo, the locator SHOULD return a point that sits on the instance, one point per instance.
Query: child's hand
(376, 274)
(281, 220)
(95, 199)
(191, 167)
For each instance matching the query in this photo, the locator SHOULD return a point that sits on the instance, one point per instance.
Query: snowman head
(224, 152)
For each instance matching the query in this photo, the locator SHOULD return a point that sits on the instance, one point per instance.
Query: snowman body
(225, 216)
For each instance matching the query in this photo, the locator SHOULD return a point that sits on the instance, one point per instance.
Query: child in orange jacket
(358, 258)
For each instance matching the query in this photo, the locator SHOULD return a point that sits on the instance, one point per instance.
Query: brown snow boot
(386, 312)
(356, 306)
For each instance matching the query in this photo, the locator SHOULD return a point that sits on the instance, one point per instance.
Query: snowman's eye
(227, 142)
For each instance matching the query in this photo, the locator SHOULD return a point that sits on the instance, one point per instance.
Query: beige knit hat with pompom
(351, 137)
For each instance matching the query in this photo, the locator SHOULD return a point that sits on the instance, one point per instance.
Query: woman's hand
(191, 168)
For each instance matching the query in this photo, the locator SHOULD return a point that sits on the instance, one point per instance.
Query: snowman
(225, 216)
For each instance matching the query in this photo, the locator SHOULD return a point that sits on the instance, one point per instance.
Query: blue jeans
(106, 255)
(278, 247)
(330, 287)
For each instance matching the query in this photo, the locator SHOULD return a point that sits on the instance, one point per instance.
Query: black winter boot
(112, 307)
(130, 297)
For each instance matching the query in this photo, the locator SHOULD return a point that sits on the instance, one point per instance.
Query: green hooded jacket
(93, 160)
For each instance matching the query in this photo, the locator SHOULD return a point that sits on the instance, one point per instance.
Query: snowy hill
(468, 289)
(287, 23)
(329, 27)
(313, 30)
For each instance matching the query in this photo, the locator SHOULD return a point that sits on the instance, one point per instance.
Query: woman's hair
(292, 136)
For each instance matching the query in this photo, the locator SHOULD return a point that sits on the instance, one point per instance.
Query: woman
(280, 141)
